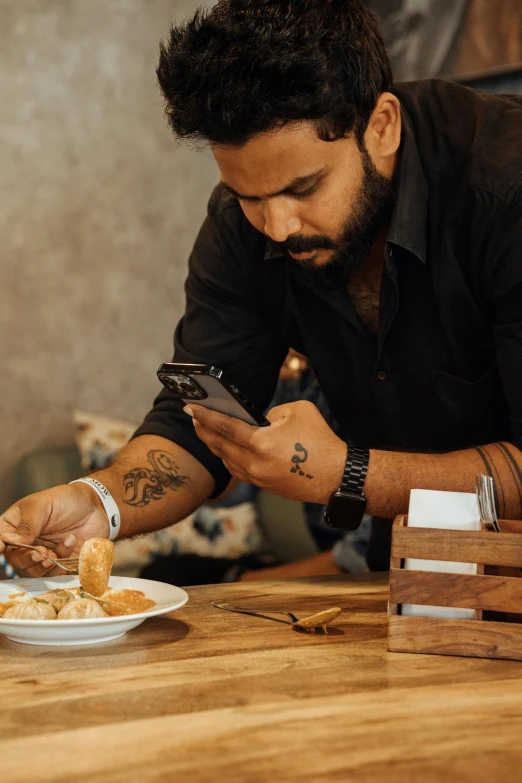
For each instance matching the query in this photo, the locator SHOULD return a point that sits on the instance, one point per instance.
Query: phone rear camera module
(194, 393)
(184, 387)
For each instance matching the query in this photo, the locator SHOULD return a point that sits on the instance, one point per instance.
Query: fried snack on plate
(95, 565)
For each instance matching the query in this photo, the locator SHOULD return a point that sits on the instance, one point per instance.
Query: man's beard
(372, 210)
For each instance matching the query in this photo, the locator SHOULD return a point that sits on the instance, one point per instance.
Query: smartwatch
(347, 505)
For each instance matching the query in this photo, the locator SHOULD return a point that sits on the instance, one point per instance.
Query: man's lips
(302, 256)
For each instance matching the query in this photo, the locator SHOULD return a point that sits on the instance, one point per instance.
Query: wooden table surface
(205, 695)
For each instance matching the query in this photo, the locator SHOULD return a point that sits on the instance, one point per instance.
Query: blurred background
(99, 207)
(98, 212)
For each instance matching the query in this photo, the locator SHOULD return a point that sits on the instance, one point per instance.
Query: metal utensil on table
(486, 501)
(311, 622)
(66, 563)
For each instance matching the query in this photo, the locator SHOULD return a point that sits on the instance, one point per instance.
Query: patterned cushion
(99, 438)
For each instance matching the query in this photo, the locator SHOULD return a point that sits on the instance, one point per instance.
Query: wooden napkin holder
(495, 592)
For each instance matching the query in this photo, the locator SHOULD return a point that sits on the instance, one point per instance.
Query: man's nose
(280, 221)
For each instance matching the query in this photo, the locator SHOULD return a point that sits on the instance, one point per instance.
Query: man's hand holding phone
(297, 457)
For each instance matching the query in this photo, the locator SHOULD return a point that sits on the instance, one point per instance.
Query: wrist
(336, 472)
(347, 505)
(107, 502)
(92, 504)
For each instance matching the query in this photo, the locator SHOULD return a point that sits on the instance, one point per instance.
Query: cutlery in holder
(495, 592)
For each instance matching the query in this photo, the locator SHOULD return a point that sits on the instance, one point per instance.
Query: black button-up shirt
(445, 371)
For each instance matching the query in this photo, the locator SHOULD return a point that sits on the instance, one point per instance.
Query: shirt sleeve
(505, 287)
(225, 324)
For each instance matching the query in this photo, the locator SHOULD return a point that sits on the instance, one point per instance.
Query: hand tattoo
(141, 485)
(297, 460)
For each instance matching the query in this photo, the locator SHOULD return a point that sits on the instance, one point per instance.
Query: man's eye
(291, 193)
(304, 193)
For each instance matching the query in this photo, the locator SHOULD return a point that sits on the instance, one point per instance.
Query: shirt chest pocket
(475, 410)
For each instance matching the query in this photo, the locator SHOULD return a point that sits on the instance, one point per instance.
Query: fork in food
(66, 563)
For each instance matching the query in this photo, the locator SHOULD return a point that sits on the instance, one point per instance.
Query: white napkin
(449, 511)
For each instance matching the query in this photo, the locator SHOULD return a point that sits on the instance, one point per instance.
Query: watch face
(345, 510)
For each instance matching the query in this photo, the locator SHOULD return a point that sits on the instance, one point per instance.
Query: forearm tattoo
(501, 465)
(141, 485)
(298, 459)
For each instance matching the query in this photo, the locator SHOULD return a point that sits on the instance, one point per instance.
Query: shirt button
(381, 375)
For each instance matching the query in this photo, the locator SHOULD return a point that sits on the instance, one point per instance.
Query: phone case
(222, 396)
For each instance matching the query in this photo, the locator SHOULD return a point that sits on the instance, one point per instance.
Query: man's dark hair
(250, 66)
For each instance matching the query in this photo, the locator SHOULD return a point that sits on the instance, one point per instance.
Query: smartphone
(206, 385)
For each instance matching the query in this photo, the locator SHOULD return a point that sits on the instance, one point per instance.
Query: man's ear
(382, 137)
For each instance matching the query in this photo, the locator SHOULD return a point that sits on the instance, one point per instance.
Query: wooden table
(204, 695)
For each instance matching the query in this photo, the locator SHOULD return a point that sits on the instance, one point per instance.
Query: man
(376, 230)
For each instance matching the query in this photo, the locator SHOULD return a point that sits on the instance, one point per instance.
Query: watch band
(347, 506)
(355, 470)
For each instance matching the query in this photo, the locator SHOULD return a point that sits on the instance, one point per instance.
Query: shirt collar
(409, 216)
(271, 251)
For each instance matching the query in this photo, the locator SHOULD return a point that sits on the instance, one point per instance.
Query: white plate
(94, 630)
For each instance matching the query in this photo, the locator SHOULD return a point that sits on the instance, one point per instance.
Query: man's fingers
(9, 522)
(25, 560)
(44, 565)
(303, 408)
(66, 546)
(227, 427)
(278, 413)
(225, 450)
(33, 563)
(236, 471)
(22, 526)
(40, 569)
(41, 556)
(208, 437)
(36, 563)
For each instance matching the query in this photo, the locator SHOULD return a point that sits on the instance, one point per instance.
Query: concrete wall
(98, 212)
